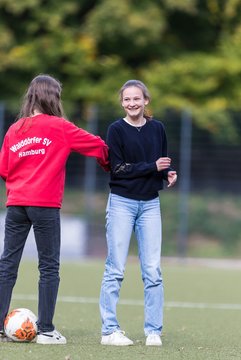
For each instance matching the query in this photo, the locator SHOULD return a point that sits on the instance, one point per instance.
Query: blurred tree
(188, 52)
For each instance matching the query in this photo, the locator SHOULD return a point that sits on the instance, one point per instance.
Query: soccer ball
(21, 325)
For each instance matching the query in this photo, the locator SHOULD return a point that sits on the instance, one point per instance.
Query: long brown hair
(43, 95)
(144, 90)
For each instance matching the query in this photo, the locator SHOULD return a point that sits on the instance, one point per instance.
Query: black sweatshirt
(133, 155)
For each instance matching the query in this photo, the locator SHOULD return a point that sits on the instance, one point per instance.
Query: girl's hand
(172, 178)
(163, 163)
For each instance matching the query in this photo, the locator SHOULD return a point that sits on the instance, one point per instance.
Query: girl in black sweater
(139, 164)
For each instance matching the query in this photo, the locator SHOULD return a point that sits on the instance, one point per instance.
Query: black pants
(46, 227)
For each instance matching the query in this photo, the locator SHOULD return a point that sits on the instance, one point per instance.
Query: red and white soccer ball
(21, 325)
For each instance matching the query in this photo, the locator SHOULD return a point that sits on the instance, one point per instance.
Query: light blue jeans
(124, 215)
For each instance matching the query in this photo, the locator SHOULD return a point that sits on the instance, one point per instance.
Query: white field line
(132, 302)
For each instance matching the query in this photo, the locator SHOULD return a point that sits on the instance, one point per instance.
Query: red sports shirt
(33, 159)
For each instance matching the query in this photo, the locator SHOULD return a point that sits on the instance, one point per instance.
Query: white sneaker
(117, 338)
(4, 337)
(51, 337)
(153, 340)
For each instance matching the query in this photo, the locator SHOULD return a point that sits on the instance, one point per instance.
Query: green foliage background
(188, 53)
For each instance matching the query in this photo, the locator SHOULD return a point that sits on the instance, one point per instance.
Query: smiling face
(133, 102)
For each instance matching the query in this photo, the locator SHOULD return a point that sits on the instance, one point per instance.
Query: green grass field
(202, 316)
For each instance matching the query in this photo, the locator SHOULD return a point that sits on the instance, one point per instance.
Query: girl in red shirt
(32, 163)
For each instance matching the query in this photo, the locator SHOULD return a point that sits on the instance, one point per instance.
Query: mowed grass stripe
(132, 302)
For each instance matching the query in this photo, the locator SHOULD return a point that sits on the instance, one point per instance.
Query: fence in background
(203, 163)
